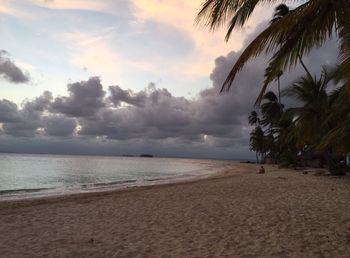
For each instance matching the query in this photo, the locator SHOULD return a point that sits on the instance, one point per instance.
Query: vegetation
(290, 35)
(319, 127)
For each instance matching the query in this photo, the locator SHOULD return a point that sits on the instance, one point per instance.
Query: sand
(237, 214)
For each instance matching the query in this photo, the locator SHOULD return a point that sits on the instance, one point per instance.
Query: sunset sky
(129, 43)
(123, 76)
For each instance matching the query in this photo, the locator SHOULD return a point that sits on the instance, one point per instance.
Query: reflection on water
(22, 173)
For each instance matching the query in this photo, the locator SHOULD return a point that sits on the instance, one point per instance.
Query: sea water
(27, 175)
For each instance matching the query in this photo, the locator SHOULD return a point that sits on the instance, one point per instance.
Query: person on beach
(262, 170)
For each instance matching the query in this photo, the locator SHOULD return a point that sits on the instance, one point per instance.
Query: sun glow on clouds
(181, 14)
(95, 54)
(72, 4)
(128, 42)
(92, 52)
(9, 8)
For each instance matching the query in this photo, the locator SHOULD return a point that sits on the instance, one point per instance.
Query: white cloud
(92, 52)
(72, 4)
(208, 45)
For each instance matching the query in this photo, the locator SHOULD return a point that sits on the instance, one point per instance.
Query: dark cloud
(29, 118)
(10, 71)
(157, 114)
(8, 111)
(38, 105)
(85, 98)
(59, 125)
(119, 96)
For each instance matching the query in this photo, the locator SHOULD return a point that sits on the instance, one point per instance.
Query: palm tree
(311, 119)
(254, 119)
(280, 11)
(288, 37)
(258, 144)
(279, 87)
(286, 141)
(271, 111)
(339, 116)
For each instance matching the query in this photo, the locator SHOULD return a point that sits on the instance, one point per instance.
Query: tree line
(320, 125)
(318, 128)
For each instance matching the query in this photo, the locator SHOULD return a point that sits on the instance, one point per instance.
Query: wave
(21, 191)
(110, 183)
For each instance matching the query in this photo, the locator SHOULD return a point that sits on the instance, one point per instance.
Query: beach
(237, 213)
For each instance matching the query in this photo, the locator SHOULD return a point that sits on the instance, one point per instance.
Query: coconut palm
(271, 109)
(280, 11)
(288, 37)
(311, 118)
(339, 116)
(286, 141)
(279, 87)
(258, 143)
(254, 119)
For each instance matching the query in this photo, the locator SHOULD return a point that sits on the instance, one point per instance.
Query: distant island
(146, 156)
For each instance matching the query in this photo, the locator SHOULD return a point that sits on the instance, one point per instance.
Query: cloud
(10, 71)
(59, 125)
(152, 113)
(92, 51)
(29, 118)
(10, 8)
(152, 119)
(85, 98)
(218, 120)
(119, 96)
(8, 111)
(66, 4)
(118, 8)
(207, 45)
(156, 114)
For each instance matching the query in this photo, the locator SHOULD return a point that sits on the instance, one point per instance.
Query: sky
(119, 77)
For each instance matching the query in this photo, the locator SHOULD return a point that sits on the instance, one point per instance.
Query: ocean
(30, 176)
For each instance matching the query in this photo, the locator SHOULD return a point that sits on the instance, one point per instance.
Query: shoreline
(110, 180)
(100, 192)
(282, 213)
(33, 194)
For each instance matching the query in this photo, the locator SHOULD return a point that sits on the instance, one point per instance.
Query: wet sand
(282, 213)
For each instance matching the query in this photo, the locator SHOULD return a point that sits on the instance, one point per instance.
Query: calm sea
(25, 175)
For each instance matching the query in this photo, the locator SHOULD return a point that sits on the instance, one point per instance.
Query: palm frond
(241, 16)
(266, 42)
(343, 24)
(315, 25)
(214, 13)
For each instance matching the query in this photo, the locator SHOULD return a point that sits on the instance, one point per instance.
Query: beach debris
(91, 241)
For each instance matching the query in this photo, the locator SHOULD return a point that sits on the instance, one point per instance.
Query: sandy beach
(282, 213)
